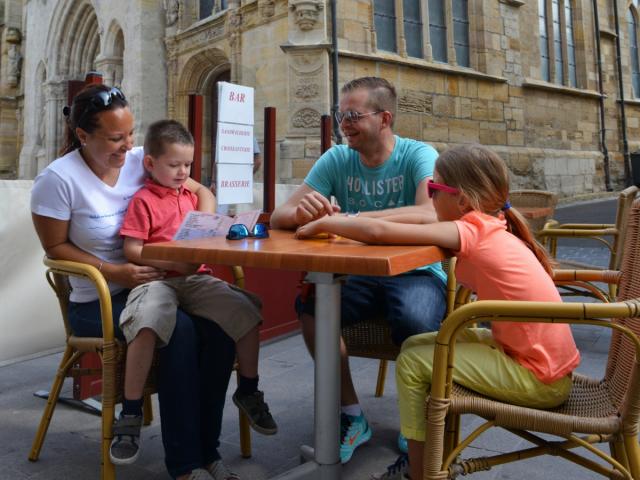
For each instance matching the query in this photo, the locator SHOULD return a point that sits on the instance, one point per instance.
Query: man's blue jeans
(192, 379)
(413, 303)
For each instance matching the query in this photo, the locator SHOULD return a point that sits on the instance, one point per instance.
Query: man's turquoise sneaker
(354, 431)
(403, 446)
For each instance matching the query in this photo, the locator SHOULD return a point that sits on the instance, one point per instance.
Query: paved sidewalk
(71, 449)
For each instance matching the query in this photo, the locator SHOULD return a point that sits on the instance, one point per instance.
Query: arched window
(633, 51)
(419, 28)
(557, 42)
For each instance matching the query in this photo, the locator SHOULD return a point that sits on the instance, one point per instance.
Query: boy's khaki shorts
(153, 305)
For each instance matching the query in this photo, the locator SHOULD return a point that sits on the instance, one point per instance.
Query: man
(377, 174)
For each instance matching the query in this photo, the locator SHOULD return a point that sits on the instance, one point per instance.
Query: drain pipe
(603, 130)
(625, 142)
(334, 73)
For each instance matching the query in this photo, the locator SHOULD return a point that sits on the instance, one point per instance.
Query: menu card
(202, 224)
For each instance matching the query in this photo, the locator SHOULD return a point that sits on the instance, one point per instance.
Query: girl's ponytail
(517, 225)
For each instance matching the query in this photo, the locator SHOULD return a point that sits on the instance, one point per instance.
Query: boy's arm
(133, 252)
(206, 199)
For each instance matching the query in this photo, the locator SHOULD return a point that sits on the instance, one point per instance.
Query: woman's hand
(131, 275)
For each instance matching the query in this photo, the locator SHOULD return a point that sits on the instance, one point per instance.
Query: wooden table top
(283, 251)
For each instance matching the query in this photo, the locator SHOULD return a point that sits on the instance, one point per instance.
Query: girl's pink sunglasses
(433, 186)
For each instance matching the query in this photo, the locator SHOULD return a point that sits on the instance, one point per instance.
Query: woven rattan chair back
(535, 198)
(621, 354)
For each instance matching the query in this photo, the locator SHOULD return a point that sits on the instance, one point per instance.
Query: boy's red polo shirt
(156, 212)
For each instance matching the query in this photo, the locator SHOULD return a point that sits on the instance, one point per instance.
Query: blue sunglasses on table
(240, 231)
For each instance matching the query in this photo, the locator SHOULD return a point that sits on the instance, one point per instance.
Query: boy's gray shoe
(257, 411)
(219, 471)
(399, 470)
(199, 474)
(125, 446)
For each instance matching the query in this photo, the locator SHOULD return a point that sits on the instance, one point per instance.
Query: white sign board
(234, 183)
(235, 103)
(234, 145)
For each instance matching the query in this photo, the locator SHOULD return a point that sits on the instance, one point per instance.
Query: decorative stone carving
(306, 118)
(172, 10)
(13, 38)
(267, 8)
(306, 13)
(306, 91)
(234, 21)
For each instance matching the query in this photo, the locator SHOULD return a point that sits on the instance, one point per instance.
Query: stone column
(55, 93)
(308, 85)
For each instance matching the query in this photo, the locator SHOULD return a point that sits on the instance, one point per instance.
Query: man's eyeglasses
(353, 117)
(101, 100)
(432, 187)
(239, 231)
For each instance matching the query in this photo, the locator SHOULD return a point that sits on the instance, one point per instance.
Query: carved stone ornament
(307, 91)
(13, 35)
(172, 11)
(267, 8)
(14, 57)
(306, 118)
(306, 12)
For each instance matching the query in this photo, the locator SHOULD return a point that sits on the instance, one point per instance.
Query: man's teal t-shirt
(358, 188)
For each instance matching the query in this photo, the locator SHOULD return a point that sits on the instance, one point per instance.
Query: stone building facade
(519, 76)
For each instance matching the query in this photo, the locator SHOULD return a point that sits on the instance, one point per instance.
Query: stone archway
(73, 45)
(197, 77)
(109, 63)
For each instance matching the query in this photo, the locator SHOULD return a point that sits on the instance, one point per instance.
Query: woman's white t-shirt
(68, 190)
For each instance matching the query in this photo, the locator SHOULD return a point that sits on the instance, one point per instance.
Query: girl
(524, 363)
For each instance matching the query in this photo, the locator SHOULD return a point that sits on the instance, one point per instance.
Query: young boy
(154, 215)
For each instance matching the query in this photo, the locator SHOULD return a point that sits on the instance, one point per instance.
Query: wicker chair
(372, 337)
(112, 353)
(553, 231)
(598, 410)
(534, 199)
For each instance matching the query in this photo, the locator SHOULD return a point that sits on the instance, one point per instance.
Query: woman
(78, 203)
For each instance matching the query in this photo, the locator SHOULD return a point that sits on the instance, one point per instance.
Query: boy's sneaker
(403, 446)
(219, 471)
(199, 474)
(257, 411)
(354, 431)
(125, 446)
(399, 470)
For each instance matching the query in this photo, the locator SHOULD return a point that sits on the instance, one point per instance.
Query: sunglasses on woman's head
(104, 98)
(99, 101)
(239, 231)
(432, 187)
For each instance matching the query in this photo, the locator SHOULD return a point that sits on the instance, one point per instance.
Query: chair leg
(245, 435)
(245, 430)
(147, 410)
(632, 449)
(108, 470)
(618, 452)
(65, 364)
(382, 373)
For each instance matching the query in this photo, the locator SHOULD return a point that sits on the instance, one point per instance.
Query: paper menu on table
(202, 224)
